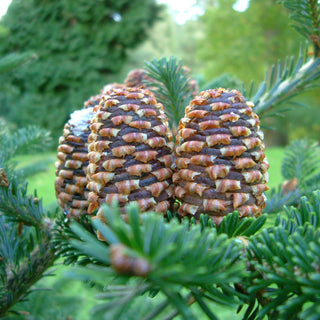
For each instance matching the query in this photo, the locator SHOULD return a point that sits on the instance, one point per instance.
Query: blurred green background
(79, 46)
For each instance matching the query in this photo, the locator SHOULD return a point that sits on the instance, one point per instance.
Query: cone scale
(220, 159)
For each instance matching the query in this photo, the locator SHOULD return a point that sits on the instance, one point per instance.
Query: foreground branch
(18, 283)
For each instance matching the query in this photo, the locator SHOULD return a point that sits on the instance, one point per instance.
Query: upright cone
(130, 152)
(70, 182)
(220, 159)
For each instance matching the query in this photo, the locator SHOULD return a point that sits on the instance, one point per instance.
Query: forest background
(77, 49)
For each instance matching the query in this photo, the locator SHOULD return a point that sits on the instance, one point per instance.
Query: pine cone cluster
(119, 148)
(221, 164)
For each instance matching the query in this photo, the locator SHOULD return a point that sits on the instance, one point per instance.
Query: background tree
(244, 44)
(165, 38)
(81, 45)
(235, 40)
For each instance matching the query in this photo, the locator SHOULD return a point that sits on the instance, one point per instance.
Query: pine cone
(130, 152)
(111, 86)
(136, 78)
(221, 164)
(70, 182)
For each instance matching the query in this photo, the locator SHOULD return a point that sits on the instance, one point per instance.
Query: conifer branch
(63, 235)
(25, 254)
(300, 168)
(284, 81)
(151, 249)
(306, 20)
(26, 251)
(18, 282)
(142, 259)
(19, 206)
(171, 84)
(21, 141)
(307, 212)
(301, 165)
(285, 261)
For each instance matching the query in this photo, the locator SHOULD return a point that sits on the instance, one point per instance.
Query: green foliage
(306, 19)
(80, 46)
(166, 258)
(245, 47)
(63, 235)
(25, 249)
(300, 167)
(233, 226)
(284, 81)
(13, 60)
(22, 141)
(172, 86)
(303, 164)
(290, 276)
(224, 81)
(254, 41)
(182, 267)
(167, 38)
(286, 260)
(308, 213)
(19, 206)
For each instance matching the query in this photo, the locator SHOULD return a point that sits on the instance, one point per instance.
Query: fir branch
(277, 198)
(18, 283)
(24, 140)
(300, 166)
(308, 213)
(233, 226)
(30, 139)
(284, 81)
(18, 206)
(171, 85)
(25, 254)
(285, 261)
(9, 247)
(301, 161)
(63, 234)
(170, 257)
(289, 272)
(306, 20)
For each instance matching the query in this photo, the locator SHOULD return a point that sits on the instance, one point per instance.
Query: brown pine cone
(71, 181)
(111, 86)
(136, 78)
(221, 164)
(130, 152)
